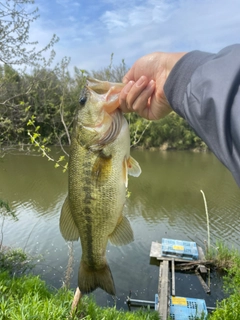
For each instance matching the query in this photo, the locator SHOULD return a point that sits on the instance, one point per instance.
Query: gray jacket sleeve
(204, 89)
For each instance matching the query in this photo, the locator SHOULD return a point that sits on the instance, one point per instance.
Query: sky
(90, 31)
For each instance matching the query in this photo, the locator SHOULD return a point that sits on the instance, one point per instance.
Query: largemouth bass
(99, 165)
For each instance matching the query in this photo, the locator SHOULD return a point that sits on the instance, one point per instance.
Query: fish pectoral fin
(67, 225)
(125, 172)
(133, 167)
(102, 168)
(123, 233)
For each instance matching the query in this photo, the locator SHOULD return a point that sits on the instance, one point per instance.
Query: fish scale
(98, 166)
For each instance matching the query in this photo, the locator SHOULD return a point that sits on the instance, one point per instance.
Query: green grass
(223, 258)
(28, 297)
(91, 311)
(229, 260)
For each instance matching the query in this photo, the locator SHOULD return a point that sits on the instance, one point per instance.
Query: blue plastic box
(179, 249)
(187, 308)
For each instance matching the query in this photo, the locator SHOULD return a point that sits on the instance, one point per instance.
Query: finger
(141, 104)
(123, 97)
(134, 91)
(156, 109)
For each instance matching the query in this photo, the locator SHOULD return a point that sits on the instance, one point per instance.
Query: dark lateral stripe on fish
(88, 224)
(87, 210)
(88, 179)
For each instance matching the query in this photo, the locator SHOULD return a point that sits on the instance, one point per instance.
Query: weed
(229, 308)
(15, 261)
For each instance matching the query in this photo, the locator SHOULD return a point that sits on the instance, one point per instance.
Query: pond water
(165, 202)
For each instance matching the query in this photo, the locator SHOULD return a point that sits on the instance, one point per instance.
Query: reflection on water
(165, 201)
(168, 197)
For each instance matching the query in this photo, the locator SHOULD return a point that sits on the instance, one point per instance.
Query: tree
(16, 49)
(111, 73)
(15, 22)
(11, 86)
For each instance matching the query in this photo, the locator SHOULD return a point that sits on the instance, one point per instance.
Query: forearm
(203, 88)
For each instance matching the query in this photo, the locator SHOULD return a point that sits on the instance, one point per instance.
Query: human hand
(143, 92)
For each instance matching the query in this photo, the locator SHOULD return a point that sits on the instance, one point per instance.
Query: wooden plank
(156, 249)
(203, 283)
(193, 264)
(202, 269)
(163, 296)
(201, 255)
(159, 283)
(173, 277)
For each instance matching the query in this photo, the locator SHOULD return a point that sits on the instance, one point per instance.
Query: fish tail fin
(90, 279)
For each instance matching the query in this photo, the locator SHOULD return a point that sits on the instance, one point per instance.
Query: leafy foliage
(17, 89)
(42, 105)
(15, 21)
(15, 261)
(5, 210)
(111, 73)
(171, 131)
(228, 309)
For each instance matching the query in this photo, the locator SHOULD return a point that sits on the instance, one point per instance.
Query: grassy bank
(28, 297)
(229, 260)
(24, 296)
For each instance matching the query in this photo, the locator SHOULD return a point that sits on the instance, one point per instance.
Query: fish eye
(82, 100)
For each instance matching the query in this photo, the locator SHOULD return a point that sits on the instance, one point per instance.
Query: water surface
(165, 201)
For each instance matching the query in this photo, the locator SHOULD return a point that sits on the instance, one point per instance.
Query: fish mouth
(108, 92)
(108, 126)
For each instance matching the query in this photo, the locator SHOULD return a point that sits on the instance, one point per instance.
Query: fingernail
(128, 86)
(140, 81)
(151, 84)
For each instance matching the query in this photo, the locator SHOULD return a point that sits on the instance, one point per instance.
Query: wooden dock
(163, 290)
(167, 279)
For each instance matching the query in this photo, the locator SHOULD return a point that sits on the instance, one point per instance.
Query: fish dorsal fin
(123, 233)
(68, 228)
(133, 167)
